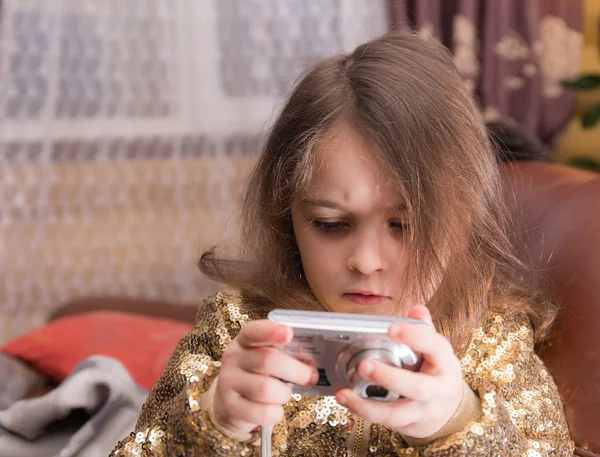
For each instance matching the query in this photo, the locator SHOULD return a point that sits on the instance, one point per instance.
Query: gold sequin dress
(522, 414)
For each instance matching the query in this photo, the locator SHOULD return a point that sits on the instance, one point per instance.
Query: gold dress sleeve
(522, 413)
(172, 422)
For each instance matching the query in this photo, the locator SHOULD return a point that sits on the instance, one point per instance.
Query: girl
(377, 193)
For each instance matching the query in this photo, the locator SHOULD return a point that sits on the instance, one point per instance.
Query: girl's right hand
(248, 391)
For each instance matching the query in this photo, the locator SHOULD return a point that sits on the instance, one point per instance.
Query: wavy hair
(403, 95)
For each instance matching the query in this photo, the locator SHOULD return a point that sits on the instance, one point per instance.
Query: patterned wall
(127, 128)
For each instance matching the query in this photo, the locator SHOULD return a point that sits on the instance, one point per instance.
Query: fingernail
(342, 400)
(367, 368)
(281, 333)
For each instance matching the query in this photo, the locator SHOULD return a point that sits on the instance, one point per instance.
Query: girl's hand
(432, 395)
(248, 391)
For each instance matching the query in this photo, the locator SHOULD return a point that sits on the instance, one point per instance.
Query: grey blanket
(85, 416)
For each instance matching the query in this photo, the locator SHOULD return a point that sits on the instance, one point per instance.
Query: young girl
(377, 193)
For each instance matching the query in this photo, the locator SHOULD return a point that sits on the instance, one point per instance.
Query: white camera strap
(265, 440)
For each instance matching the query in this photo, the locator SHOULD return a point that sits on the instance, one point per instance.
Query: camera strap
(265, 440)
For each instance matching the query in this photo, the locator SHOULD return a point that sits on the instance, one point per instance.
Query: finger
(240, 409)
(263, 333)
(434, 347)
(396, 414)
(415, 386)
(421, 313)
(272, 362)
(261, 389)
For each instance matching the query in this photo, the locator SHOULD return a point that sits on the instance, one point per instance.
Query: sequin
(490, 399)
(194, 404)
(477, 429)
(193, 364)
(518, 396)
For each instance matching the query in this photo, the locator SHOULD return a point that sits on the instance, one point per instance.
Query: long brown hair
(403, 95)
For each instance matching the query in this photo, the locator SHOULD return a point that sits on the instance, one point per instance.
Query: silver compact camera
(336, 343)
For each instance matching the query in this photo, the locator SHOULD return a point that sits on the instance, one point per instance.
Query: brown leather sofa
(561, 209)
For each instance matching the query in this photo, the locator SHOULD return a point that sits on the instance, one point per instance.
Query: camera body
(336, 343)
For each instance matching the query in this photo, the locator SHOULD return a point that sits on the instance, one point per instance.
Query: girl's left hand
(432, 395)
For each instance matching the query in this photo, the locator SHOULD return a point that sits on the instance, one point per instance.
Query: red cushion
(142, 344)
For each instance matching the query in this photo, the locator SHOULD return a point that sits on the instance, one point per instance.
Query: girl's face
(351, 236)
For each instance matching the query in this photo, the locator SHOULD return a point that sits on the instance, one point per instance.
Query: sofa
(561, 212)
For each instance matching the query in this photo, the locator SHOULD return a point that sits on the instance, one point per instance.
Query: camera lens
(376, 392)
(394, 354)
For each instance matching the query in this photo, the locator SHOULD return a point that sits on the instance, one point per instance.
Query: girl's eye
(328, 227)
(402, 226)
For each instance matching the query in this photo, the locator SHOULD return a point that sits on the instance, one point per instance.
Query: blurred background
(127, 127)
